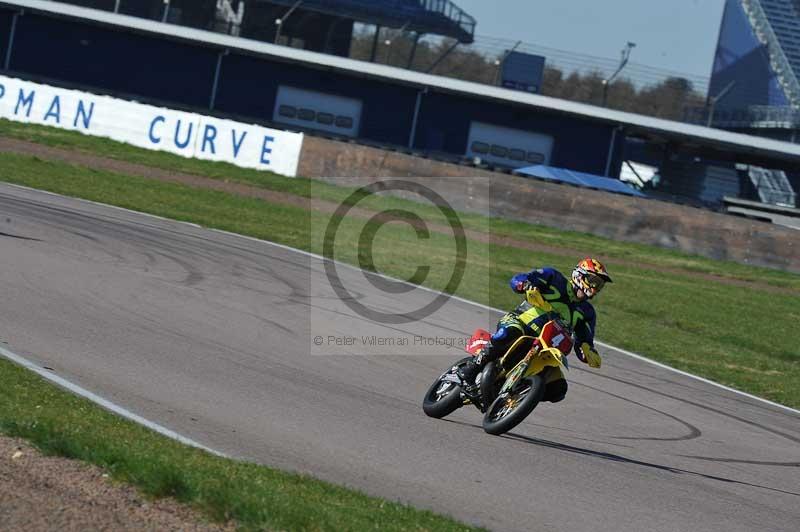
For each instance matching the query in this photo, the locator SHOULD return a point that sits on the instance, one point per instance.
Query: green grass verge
(611, 249)
(256, 497)
(745, 337)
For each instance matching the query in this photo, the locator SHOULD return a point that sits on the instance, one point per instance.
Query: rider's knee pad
(500, 335)
(496, 345)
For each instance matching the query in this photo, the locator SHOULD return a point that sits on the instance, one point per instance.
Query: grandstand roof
(665, 130)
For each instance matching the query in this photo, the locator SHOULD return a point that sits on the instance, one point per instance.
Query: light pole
(499, 62)
(442, 57)
(626, 54)
(713, 100)
(279, 21)
(166, 11)
(388, 42)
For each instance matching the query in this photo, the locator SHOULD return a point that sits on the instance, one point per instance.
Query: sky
(678, 35)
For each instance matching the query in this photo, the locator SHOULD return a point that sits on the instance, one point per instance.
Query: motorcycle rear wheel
(508, 410)
(443, 398)
(489, 386)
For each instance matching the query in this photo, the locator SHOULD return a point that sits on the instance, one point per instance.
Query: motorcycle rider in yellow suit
(569, 298)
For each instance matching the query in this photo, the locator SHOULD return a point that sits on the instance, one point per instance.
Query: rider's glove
(591, 355)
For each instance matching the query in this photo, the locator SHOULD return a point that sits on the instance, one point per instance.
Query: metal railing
(780, 63)
(772, 186)
(453, 12)
(753, 116)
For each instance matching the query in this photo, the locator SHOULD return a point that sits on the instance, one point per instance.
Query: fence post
(212, 102)
(412, 138)
(611, 146)
(375, 43)
(7, 63)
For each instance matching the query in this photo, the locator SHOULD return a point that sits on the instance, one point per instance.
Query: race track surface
(211, 335)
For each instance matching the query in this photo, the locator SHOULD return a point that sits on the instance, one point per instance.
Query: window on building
(480, 147)
(535, 157)
(499, 151)
(517, 155)
(344, 122)
(288, 111)
(306, 114)
(325, 118)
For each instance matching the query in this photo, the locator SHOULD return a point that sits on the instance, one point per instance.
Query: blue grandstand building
(189, 55)
(319, 25)
(754, 85)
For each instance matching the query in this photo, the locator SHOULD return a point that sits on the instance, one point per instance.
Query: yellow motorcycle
(508, 390)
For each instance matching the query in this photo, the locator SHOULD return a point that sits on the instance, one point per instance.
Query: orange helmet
(589, 276)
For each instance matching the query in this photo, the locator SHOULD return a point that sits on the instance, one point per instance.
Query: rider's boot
(469, 371)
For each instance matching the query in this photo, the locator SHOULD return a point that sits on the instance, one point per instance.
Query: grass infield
(256, 497)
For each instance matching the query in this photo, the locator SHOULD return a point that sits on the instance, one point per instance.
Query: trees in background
(670, 99)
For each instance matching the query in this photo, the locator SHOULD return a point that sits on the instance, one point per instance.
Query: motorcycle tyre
(448, 404)
(489, 388)
(522, 410)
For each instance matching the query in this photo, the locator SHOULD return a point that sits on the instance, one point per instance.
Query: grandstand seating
(758, 61)
(784, 19)
(323, 25)
(441, 17)
(105, 5)
(772, 186)
(193, 13)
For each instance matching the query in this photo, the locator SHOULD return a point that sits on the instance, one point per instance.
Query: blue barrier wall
(380, 122)
(92, 56)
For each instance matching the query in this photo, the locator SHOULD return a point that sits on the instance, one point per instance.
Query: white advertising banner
(150, 127)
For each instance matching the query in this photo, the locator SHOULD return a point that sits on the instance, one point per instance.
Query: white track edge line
(457, 298)
(105, 403)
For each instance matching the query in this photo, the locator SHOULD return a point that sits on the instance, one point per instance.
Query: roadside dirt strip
(45, 493)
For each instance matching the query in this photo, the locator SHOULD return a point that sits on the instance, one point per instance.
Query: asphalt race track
(211, 335)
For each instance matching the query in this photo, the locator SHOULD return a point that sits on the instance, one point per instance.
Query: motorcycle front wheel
(509, 409)
(443, 397)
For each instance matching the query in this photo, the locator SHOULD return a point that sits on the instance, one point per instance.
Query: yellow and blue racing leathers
(559, 292)
(528, 320)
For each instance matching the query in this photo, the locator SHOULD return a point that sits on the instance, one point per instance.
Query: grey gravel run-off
(210, 335)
